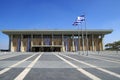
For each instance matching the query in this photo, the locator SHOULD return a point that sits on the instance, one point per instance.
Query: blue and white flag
(80, 18)
(75, 24)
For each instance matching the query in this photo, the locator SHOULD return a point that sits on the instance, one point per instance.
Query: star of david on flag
(79, 20)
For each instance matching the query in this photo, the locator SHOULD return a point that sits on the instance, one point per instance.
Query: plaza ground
(102, 65)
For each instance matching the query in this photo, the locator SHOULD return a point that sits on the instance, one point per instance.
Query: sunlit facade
(55, 40)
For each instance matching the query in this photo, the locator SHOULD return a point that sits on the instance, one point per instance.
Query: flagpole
(82, 39)
(76, 23)
(78, 39)
(86, 38)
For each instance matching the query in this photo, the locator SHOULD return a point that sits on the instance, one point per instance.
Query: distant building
(55, 40)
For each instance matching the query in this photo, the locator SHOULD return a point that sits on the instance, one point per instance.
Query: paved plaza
(102, 65)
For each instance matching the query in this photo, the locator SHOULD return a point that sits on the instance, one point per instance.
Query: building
(55, 40)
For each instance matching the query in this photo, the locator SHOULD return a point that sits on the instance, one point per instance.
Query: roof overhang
(9, 32)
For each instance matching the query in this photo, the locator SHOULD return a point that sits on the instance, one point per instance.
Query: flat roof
(98, 31)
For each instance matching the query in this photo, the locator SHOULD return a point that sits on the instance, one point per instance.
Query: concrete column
(11, 43)
(93, 43)
(101, 43)
(63, 47)
(42, 39)
(90, 43)
(31, 41)
(83, 47)
(97, 45)
(81, 43)
(73, 45)
(87, 42)
(22, 48)
(52, 39)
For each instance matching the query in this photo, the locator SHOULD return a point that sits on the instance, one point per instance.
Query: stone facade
(21, 41)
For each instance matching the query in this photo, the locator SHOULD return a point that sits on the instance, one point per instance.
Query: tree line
(113, 46)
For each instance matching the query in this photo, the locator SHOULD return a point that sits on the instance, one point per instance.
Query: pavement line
(103, 59)
(14, 65)
(108, 58)
(9, 56)
(91, 76)
(22, 75)
(93, 66)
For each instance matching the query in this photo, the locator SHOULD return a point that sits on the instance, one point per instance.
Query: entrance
(37, 49)
(46, 49)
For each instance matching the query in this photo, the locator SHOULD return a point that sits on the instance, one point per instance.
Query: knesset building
(55, 40)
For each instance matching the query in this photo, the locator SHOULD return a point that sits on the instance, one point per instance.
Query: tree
(113, 46)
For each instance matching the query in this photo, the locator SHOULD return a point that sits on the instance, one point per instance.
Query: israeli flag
(80, 18)
(75, 24)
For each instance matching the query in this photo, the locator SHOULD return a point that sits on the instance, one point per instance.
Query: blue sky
(59, 14)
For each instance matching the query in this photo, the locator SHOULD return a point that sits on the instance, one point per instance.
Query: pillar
(101, 44)
(83, 47)
(96, 43)
(11, 43)
(87, 43)
(93, 49)
(90, 43)
(31, 41)
(52, 39)
(63, 47)
(22, 48)
(73, 45)
(42, 39)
